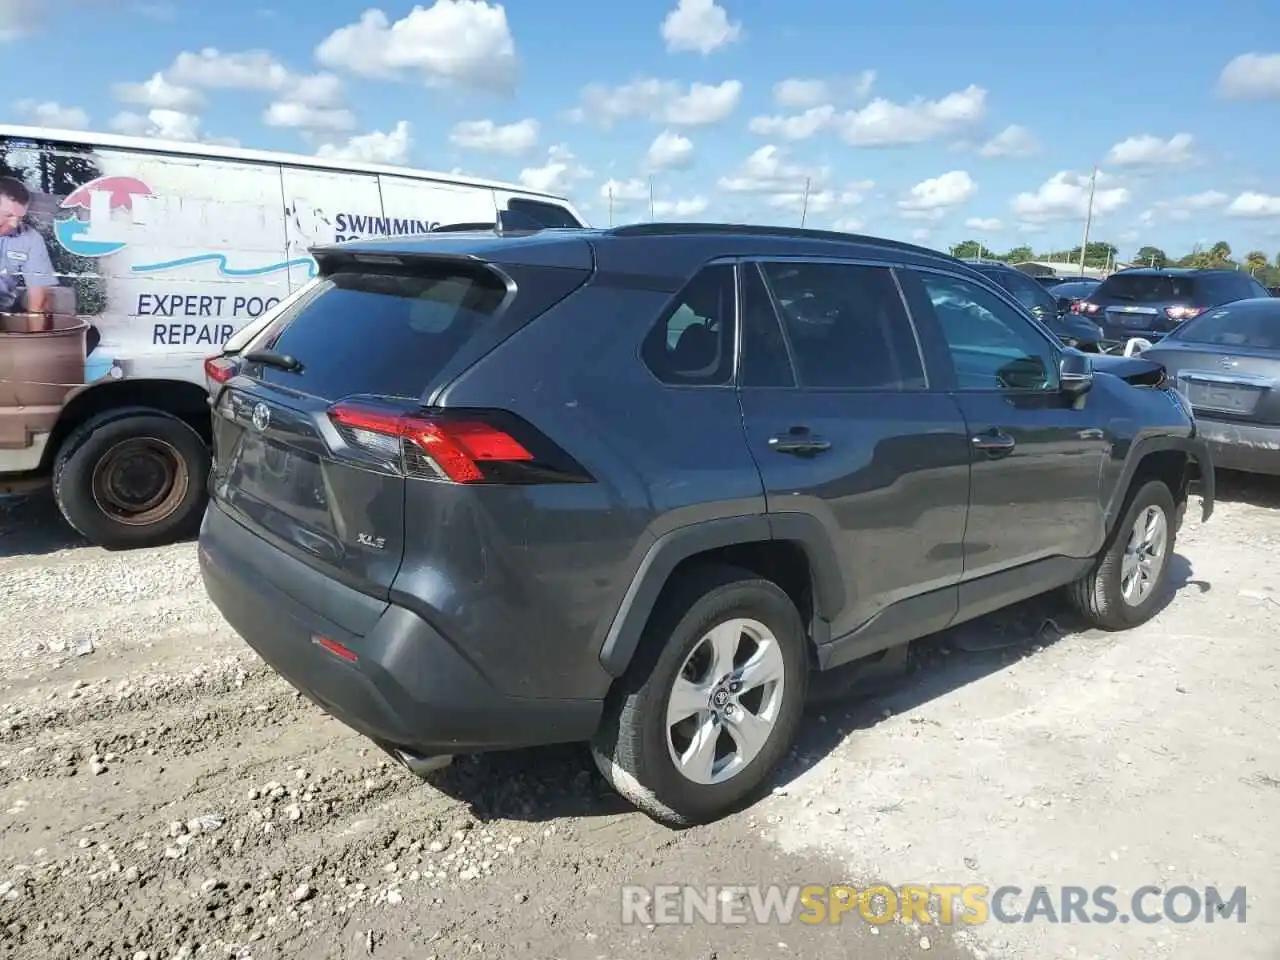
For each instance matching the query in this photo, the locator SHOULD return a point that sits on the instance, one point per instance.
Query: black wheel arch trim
(1194, 447)
(672, 548)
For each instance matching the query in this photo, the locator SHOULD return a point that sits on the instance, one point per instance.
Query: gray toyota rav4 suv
(633, 487)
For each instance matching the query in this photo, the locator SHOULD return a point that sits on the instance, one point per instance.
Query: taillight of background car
(1085, 308)
(1179, 314)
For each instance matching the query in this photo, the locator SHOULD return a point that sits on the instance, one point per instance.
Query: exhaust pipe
(420, 765)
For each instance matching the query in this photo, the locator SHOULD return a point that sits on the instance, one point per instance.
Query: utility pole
(804, 209)
(611, 206)
(1088, 218)
(651, 197)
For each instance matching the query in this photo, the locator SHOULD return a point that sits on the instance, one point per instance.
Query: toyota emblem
(261, 417)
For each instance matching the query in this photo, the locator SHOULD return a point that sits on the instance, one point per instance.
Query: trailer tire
(132, 477)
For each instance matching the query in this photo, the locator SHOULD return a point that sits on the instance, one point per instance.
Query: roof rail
(796, 233)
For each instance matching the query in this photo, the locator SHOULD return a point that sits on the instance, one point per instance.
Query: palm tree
(1256, 260)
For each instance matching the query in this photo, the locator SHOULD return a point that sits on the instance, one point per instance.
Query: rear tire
(132, 478)
(1112, 596)
(680, 659)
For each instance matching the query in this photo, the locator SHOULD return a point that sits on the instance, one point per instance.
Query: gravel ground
(162, 794)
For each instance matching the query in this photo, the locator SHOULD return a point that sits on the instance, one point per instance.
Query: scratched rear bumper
(1245, 447)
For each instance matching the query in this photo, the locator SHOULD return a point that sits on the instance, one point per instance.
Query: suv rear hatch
(327, 417)
(1142, 305)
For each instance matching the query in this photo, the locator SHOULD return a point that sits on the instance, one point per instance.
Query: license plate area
(1220, 397)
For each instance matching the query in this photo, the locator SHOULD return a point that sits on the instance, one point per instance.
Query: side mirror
(1075, 372)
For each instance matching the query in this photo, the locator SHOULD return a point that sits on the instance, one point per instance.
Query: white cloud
(52, 114)
(848, 225)
(310, 102)
(1251, 76)
(17, 18)
(1183, 208)
(1146, 150)
(300, 116)
(987, 224)
(623, 192)
(376, 147)
(558, 174)
(781, 183)
(679, 209)
(1065, 196)
(663, 101)
(801, 126)
(921, 234)
(669, 151)
(885, 123)
(769, 171)
(1254, 205)
(699, 26)
(159, 93)
(465, 43)
(161, 124)
(797, 94)
(486, 136)
(1012, 141)
(932, 198)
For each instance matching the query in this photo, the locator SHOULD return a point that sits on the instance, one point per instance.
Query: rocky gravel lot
(163, 795)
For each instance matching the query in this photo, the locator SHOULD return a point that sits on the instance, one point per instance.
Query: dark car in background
(1070, 292)
(1151, 302)
(1074, 331)
(1226, 362)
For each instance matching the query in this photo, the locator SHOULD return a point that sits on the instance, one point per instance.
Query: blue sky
(935, 121)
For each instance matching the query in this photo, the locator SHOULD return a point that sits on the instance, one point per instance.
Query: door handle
(799, 442)
(994, 442)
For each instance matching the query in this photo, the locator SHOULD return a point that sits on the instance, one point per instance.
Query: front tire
(1127, 584)
(712, 701)
(128, 479)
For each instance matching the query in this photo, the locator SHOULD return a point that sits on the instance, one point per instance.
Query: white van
(125, 262)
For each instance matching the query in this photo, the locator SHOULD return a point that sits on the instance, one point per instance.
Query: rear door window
(1147, 288)
(693, 342)
(385, 333)
(846, 325)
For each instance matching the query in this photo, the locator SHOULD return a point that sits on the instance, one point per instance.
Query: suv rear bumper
(409, 688)
(1240, 446)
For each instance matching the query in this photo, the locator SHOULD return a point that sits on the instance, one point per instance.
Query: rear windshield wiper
(281, 361)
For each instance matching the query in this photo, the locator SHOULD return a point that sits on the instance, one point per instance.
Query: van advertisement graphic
(117, 264)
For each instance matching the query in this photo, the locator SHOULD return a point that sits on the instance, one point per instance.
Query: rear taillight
(220, 369)
(1183, 313)
(1085, 308)
(476, 447)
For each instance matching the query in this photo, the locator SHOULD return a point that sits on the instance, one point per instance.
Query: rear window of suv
(387, 333)
(1149, 288)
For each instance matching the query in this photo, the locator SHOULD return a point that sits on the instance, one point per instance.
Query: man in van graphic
(24, 258)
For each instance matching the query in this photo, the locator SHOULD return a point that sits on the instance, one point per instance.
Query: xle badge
(366, 540)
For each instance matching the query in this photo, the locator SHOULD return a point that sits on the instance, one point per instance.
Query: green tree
(1098, 254)
(1020, 254)
(1256, 261)
(1220, 253)
(972, 249)
(1151, 257)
